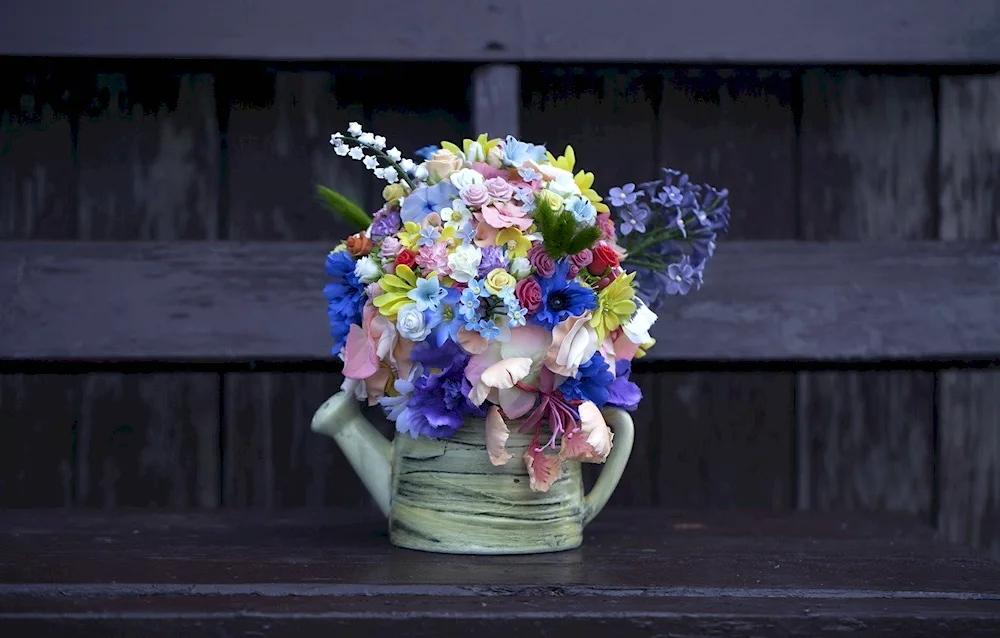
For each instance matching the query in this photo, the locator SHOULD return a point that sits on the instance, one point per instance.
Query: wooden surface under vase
(448, 497)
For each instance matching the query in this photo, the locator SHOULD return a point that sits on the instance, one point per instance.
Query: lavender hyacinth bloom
(493, 257)
(385, 223)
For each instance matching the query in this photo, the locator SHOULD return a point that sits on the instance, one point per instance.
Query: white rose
(465, 177)
(520, 267)
(411, 323)
(495, 157)
(367, 269)
(464, 263)
(637, 329)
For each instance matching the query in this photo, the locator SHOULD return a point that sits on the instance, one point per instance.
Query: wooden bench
(794, 293)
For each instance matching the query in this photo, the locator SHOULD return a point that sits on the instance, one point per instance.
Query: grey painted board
(969, 401)
(761, 301)
(685, 31)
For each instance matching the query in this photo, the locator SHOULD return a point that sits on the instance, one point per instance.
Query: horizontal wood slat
(639, 573)
(263, 301)
(682, 31)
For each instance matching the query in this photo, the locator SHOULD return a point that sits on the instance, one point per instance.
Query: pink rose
(390, 248)
(606, 226)
(529, 294)
(543, 264)
(475, 195)
(579, 261)
(373, 290)
(505, 215)
(499, 188)
(434, 257)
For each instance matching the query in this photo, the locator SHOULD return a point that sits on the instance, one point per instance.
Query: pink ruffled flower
(543, 264)
(434, 257)
(499, 189)
(488, 172)
(475, 195)
(606, 226)
(505, 215)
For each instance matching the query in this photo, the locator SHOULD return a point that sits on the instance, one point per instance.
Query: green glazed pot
(444, 495)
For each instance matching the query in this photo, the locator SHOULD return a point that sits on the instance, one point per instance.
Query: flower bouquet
(497, 283)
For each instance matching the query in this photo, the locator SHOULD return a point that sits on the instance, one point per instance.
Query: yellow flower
(565, 161)
(497, 279)
(514, 240)
(641, 350)
(471, 153)
(585, 181)
(394, 291)
(409, 235)
(392, 192)
(554, 200)
(615, 306)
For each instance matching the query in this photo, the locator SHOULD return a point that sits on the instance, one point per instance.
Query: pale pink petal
(543, 469)
(527, 341)
(599, 435)
(516, 402)
(359, 360)
(624, 348)
(472, 342)
(401, 354)
(479, 362)
(493, 217)
(574, 447)
(505, 373)
(607, 351)
(574, 342)
(496, 437)
(375, 385)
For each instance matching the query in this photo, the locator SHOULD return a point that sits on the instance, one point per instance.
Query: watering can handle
(621, 424)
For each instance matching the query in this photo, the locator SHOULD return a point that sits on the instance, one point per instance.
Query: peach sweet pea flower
(496, 437)
(373, 350)
(496, 371)
(592, 441)
(501, 215)
(574, 342)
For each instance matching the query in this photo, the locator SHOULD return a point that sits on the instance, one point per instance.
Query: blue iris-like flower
(446, 319)
(426, 200)
(590, 383)
(516, 152)
(426, 152)
(562, 298)
(344, 297)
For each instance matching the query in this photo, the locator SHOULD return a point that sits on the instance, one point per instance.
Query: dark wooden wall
(154, 151)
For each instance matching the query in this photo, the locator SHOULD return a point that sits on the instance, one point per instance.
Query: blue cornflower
(516, 152)
(590, 383)
(344, 297)
(428, 236)
(623, 195)
(562, 298)
(426, 152)
(426, 200)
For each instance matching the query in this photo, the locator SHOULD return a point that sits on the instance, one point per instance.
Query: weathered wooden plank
(729, 442)
(865, 439)
(771, 32)
(647, 572)
(272, 458)
(202, 301)
(496, 100)
(37, 200)
(148, 152)
(969, 401)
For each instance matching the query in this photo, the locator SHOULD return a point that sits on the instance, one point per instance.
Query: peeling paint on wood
(865, 439)
(969, 401)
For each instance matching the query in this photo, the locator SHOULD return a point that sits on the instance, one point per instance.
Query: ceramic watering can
(444, 495)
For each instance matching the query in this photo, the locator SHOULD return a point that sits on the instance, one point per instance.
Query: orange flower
(359, 245)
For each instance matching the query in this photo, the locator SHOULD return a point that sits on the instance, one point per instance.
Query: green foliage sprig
(561, 234)
(343, 207)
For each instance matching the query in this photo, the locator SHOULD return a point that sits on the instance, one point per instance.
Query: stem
(651, 239)
(646, 264)
(381, 154)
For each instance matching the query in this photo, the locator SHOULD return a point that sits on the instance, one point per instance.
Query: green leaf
(344, 207)
(584, 239)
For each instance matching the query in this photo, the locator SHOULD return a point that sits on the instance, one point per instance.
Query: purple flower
(624, 195)
(385, 223)
(493, 257)
(438, 404)
(622, 392)
(634, 218)
(681, 277)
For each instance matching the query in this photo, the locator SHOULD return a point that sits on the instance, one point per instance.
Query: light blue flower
(467, 233)
(488, 329)
(427, 294)
(516, 152)
(518, 316)
(426, 200)
(477, 288)
(468, 304)
(529, 174)
(428, 236)
(582, 210)
(506, 294)
(527, 199)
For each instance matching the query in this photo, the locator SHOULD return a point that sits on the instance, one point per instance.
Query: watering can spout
(368, 452)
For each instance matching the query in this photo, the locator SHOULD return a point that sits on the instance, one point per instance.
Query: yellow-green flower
(514, 241)
(409, 235)
(566, 161)
(394, 291)
(641, 350)
(615, 306)
(471, 153)
(585, 181)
